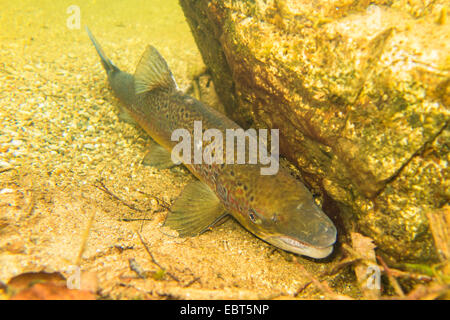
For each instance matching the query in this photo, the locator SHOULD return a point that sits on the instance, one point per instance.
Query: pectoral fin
(158, 157)
(195, 211)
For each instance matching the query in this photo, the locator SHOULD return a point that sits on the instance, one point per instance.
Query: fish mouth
(296, 246)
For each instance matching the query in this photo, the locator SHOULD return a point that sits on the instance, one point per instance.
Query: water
(67, 159)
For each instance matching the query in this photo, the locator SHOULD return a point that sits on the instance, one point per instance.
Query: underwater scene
(224, 150)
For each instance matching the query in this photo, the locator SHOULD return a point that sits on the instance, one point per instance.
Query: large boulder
(360, 94)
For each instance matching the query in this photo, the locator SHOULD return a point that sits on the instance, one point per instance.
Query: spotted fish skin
(276, 208)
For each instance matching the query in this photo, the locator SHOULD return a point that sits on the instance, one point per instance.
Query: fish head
(297, 225)
(303, 228)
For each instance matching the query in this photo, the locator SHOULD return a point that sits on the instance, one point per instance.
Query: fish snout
(311, 225)
(304, 229)
(325, 234)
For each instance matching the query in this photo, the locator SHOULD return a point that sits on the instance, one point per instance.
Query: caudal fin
(107, 64)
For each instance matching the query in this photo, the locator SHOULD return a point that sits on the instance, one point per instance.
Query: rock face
(361, 96)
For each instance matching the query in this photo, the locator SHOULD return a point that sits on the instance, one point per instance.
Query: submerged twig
(392, 279)
(103, 188)
(323, 286)
(302, 288)
(342, 264)
(6, 169)
(196, 279)
(356, 258)
(152, 258)
(159, 201)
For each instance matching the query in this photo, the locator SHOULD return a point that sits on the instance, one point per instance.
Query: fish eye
(253, 216)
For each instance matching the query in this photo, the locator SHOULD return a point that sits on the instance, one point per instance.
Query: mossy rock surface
(360, 93)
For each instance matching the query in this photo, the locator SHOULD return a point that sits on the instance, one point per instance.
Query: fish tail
(107, 64)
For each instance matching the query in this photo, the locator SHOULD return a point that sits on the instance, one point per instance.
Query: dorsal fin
(152, 72)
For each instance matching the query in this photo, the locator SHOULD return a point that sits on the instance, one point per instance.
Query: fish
(278, 208)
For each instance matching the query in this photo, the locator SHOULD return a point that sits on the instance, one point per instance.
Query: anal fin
(195, 211)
